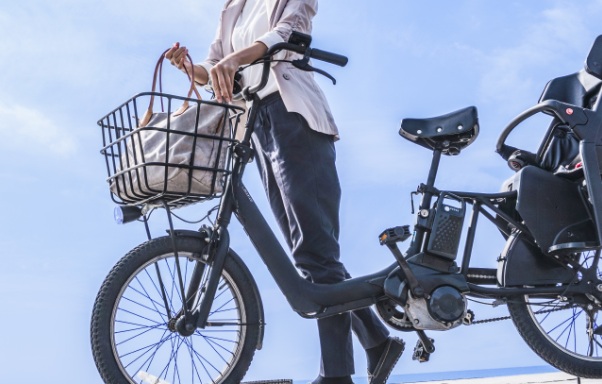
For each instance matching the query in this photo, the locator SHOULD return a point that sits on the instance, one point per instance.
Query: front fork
(193, 316)
(217, 258)
(213, 256)
(216, 252)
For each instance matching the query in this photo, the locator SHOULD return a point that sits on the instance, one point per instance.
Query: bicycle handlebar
(306, 51)
(314, 53)
(329, 57)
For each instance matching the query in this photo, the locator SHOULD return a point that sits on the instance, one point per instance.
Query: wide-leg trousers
(297, 167)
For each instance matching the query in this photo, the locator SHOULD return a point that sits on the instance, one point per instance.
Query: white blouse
(253, 26)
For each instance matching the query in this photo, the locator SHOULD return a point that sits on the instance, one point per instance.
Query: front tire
(134, 338)
(565, 332)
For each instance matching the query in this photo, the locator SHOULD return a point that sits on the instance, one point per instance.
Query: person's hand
(222, 78)
(178, 57)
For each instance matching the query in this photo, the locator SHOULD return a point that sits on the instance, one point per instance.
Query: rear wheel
(565, 331)
(134, 333)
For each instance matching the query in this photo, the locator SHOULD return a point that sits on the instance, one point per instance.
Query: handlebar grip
(329, 57)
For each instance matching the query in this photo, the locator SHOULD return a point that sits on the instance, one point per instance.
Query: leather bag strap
(158, 76)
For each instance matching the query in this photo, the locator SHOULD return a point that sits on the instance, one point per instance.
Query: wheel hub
(182, 327)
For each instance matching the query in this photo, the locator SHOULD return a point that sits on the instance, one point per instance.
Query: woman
(294, 138)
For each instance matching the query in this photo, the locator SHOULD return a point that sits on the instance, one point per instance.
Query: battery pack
(446, 231)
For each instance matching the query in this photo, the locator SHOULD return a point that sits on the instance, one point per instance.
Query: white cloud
(29, 130)
(78, 45)
(554, 44)
(80, 59)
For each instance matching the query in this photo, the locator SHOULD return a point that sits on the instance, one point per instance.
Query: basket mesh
(172, 159)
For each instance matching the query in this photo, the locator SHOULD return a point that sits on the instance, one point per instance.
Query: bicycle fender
(522, 263)
(186, 233)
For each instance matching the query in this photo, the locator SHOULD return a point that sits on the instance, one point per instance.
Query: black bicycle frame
(312, 300)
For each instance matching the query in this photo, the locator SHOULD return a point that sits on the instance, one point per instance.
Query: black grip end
(329, 57)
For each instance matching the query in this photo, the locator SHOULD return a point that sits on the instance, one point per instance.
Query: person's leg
(298, 171)
(368, 328)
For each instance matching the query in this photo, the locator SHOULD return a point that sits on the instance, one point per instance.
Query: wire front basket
(179, 156)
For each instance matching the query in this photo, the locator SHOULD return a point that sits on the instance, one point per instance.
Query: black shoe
(392, 350)
(333, 380)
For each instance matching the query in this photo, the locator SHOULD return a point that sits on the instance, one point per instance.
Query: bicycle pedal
(280, 381)
(394, 235)
(420, 353)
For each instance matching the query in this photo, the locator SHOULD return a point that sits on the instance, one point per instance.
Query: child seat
(559, 153)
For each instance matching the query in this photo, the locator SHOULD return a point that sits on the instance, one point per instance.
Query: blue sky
(66, 63)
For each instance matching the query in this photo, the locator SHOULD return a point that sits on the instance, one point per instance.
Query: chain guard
(394, 316)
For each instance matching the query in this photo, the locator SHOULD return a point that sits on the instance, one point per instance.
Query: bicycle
(184, 308)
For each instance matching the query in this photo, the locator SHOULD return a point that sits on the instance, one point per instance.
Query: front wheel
(134, 332)
(565, 331)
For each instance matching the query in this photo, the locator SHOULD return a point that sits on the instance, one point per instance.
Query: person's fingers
(215, 83)
(177, 55)
(226, 87)
(222, 77)
(218, 86)
(170, 51)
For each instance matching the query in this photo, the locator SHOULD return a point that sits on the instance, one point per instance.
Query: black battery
(446, 231)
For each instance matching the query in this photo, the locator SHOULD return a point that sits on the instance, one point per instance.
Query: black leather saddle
(448, 133)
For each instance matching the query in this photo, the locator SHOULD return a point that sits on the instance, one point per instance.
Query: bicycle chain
(403, 324)
(494, 319)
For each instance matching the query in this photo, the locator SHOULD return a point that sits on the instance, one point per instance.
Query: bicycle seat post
(427, 190)
(430, 181)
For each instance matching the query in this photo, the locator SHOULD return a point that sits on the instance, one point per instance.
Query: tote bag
(171, 155)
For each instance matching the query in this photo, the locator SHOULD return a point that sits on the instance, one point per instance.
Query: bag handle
(158, 73)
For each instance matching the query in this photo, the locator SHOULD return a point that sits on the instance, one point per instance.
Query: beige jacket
(299, 90)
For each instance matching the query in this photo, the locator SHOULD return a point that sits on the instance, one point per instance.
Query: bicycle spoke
(140, 316)
(145, 338)
(147, 349)
(144, 306)
(154, 302)
(204, 359)
(563, 330)
(134, 336)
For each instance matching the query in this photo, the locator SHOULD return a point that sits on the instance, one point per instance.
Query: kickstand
(424, 347)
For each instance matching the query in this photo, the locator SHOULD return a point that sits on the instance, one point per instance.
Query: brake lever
(303, 64)
(300, 64)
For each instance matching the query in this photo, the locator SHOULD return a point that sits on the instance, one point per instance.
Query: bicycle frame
(319, 300)
(312, 300)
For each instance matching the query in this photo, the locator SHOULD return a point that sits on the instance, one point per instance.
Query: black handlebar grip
(329, 57)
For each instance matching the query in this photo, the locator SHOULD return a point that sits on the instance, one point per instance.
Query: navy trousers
(297, 167)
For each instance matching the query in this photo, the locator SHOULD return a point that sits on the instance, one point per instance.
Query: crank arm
(409, 276)
(427, 343)
(424, 348)
(390, 237)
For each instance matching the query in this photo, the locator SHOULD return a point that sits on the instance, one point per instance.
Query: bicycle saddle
(448, 133)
